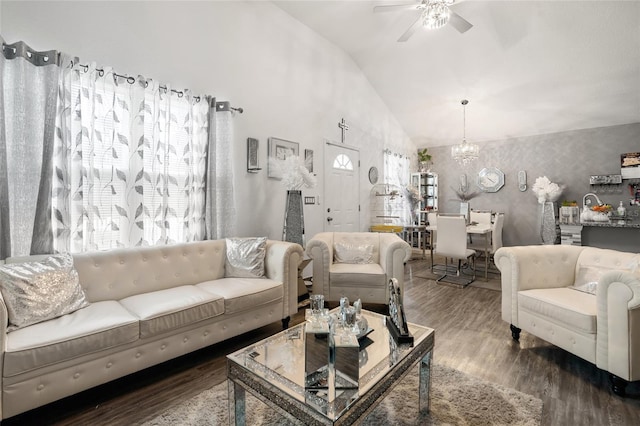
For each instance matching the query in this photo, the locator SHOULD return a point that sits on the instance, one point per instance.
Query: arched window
(342, 162)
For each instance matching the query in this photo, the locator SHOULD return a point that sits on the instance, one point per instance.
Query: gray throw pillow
(38, 291)
(245, 257)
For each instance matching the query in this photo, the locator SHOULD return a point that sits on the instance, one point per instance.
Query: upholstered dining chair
(451, 243)
(496, 237)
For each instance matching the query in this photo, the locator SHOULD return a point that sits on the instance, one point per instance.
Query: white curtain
(130, 162)
(28, 85)
(396, 172)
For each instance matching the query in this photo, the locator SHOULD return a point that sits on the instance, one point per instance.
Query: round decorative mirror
(373, 175)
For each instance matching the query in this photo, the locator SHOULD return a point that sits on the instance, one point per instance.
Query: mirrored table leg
(425, 383)
(237, 407)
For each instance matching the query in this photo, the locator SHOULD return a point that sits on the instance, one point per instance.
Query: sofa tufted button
(177, 274)
(206, 333)
(144, 259)
(135, 282)
(76, 376)
(224, 327)
(164, 256)
(138, 354)
(40, 387)
(96, 265)
(184, 254)
(185, 340)
(163, 347)
(109, 364)
(122, 261)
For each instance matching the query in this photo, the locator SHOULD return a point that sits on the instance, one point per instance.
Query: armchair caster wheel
(618, 385)
(515, 332)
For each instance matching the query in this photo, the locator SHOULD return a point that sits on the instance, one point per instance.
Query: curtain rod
(220, 106)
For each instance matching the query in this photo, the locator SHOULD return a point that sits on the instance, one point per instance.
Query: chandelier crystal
(435, 13)
(465, 152)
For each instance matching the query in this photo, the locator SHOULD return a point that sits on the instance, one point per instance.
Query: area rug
(456, 399)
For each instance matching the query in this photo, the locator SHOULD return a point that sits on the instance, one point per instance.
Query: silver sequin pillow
(353, 253)
(38, 291)
(245, 257)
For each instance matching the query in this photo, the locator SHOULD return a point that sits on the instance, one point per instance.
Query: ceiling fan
(433, 14)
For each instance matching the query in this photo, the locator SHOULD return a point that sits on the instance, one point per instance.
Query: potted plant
(424, 158)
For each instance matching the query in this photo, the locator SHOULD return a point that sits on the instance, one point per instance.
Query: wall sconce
(252, 155)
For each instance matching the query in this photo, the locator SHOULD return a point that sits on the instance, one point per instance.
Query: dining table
(473, 228)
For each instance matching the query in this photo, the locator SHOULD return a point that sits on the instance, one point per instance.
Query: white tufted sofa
(368, 282)
(148, 305)
(603, 329)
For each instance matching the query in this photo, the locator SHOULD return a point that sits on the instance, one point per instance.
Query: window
(342, 162)
(129, 164)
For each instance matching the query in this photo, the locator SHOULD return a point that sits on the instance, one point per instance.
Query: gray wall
(566, 158)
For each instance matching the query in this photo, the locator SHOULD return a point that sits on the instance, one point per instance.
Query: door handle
(329, 219)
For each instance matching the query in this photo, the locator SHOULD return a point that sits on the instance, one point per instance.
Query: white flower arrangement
(546, 190)
(294, 173)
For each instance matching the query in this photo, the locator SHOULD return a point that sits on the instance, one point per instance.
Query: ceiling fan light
(435, 15)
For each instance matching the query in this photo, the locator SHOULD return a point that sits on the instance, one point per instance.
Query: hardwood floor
(470, 336)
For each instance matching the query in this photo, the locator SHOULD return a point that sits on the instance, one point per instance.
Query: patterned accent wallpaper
(566, 158)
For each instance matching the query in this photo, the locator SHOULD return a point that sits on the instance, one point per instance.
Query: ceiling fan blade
(395, 6)
(412, 29)
(459, 23)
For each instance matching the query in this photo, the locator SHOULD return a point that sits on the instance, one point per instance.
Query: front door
(341, 188)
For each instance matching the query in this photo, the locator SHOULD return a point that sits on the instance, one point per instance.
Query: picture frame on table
(279, 150)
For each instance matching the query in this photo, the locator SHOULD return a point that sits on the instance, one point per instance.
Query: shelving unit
(427, 185)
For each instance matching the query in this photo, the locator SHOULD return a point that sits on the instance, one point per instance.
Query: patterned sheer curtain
(396, 172)
(28, 86)
(130, 162)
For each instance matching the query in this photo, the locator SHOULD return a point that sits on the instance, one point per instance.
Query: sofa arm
(281, 264)
(618, 323)
(394, 253)
(531, 267)
(320, 250)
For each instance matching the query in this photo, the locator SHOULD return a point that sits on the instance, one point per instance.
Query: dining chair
(451, 243)
(496, 238)
(432, 220)
(481, 217)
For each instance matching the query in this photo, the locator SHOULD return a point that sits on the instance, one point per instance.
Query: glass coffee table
(273, 370)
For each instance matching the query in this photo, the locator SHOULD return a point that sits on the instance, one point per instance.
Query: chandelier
(465, 152)
(435, 13)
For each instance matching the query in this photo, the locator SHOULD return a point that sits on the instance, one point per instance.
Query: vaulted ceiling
(526, 67)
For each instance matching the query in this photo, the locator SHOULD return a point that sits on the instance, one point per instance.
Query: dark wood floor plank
(470, 336)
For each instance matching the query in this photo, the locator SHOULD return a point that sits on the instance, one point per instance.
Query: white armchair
(366, 281)
(602, 328)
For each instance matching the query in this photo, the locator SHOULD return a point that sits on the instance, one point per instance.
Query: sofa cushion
(245, 257)
(98, 327)
(166, 310)
(39, 291)
(571, 309)
(367, 275)
(243, 294)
